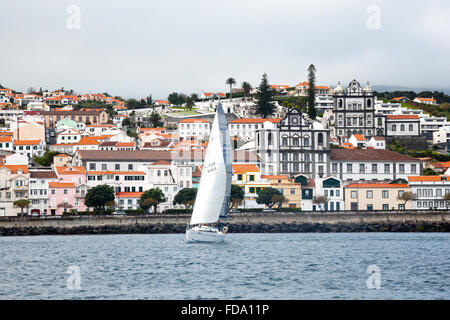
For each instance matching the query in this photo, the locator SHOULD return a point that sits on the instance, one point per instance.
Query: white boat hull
(204, 234)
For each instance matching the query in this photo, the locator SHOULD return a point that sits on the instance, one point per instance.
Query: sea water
(246, 266)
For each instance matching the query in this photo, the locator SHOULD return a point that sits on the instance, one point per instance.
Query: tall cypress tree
(264, 105)
(312, 92)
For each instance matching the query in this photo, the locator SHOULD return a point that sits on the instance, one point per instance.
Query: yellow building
(248, 176)
(375, 196)
(61, 160)
(292, 191)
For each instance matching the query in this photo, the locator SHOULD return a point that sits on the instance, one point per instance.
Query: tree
(126, 123)
(406, 196)
(320, 201)
(176, 99)
(246, 87)
(312, 92)
(430, 172)
(446, 198)
(186, 197)
(155, 120)
(279, 199)
(230, 81)
(151, 199)
(47, 159)
(149, 100)
(190, 103)
(237, 195)
(194, 96)
(132, 103)
(22, 204)
(268, 196)
(264, 95)
(64, 205)
(97, 197)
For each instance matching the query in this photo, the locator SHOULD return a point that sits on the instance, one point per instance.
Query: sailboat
(213, 195)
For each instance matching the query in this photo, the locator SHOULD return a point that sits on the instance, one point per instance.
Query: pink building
(69, 191)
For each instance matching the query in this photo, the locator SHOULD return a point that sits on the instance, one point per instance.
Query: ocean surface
(247, 266)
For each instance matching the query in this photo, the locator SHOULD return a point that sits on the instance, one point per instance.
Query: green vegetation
(270, 196)
(247, 87)
(237, 195)
(186, 197)
(397, 146)
(47, 159)
(430, 172)
(155, 120)
(230, 81)
(312, 112)
(22, 204)
(264, 95)
(151, 199)
(300, 103)
(97, 197)
(176, 98)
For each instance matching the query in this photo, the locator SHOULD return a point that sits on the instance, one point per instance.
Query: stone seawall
(417, 221)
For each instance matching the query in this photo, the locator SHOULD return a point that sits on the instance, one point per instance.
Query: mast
(213, 194)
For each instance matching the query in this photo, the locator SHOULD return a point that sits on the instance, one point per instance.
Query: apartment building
(372, 164)
(430, 191)
(376, 196)
(14, 180)
(38, 190)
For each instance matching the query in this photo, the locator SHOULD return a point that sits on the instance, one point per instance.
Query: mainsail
(213, 195)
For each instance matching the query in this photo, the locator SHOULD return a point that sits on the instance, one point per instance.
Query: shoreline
(237, 223)
(232, 228)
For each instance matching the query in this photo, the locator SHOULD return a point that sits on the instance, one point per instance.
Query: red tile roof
(61, 185)
(402, 116)
(255, 120)
(377, 185)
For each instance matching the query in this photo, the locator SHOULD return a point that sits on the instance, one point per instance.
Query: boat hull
(204, 235)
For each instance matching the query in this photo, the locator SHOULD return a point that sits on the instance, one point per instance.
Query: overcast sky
(133, 48)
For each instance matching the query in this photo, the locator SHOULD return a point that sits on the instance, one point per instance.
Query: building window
(354, 195)
(369, 194)
(252, 177)
(334, 167)
(400, 193)
(402, 168)
(411, 128)
(413, 168)
(385, 206)
(239, 177)
(362, 168)
(374, 168)
(394, 127)
(387, 168)
(349, 168)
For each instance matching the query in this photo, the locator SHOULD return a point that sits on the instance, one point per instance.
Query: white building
(372, 164)
(29, 148)
(245, 129)
(431, 101)
(429, 191)
(199, 129)
(38, 190)
(330, 188)
(442, 135)
(377, 143)
(358, 140)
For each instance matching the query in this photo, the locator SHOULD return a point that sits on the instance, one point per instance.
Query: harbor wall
(242, 222)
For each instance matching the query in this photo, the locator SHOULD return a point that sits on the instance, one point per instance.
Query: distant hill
(382, 88)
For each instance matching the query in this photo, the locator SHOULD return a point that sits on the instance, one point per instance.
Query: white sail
(213, 193)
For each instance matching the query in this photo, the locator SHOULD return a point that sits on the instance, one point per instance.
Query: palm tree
(231, 82)
(246, 87)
